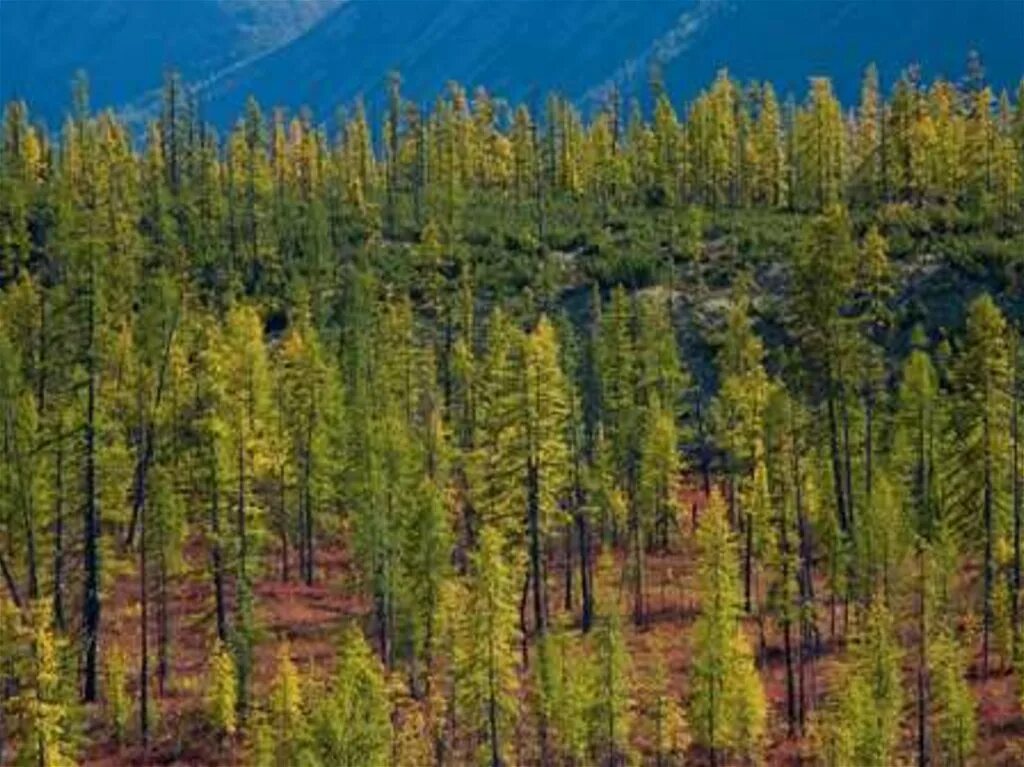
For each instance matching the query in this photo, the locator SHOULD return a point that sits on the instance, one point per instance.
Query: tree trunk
(636, 535)
(12, 585)
(705, 458)
(164, 624)
(142, 464)
(240, 521)
(539, 189)
(869, 450)
(1017, 521)
(283, 529)
(91, 602)
(787, 640)
(586, 575)
(307, 506)
(837, 467)
(143, 620)
(242, 596)
(218, 561)
(567, 603)
(748, 563)
(802, 650)
(533, 523)
(923, 742)
(989, 563)
(492, 721)
(30, 531)
(58, 537)
(847, 458)
(734, 504)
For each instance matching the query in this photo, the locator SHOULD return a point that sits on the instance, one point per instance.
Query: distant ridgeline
(324, 53)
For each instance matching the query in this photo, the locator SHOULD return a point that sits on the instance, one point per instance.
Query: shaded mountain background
(326, 53)
(126, 45)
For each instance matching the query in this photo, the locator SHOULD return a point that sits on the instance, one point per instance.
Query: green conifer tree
(486, 653)
(727, 706)
(351, 723)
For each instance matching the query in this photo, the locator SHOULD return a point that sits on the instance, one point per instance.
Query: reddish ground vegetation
(310, 618)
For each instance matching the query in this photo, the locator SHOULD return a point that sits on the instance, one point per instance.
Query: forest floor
(310, 619)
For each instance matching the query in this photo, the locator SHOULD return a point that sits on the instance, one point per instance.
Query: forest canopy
(508, 435)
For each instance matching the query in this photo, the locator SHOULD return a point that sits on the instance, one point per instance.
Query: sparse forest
(501, 434)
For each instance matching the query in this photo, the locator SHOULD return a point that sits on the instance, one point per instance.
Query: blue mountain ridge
(328, 53)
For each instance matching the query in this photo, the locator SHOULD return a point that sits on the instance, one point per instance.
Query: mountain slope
(126, 45)
(326, 53)
(515, 49)
(522, 50)
(787, 42)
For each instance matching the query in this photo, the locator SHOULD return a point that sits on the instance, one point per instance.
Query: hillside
(481, 433)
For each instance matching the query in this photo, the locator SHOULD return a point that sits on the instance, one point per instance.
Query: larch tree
(955, 715)
(657, 501)
(821, 148)
(486, 652)
(769, 183)
(664, 718)
(738, 415)
(980, 428)
(306, 393)
(570, 695)
(43, 708)
(617, 365)
(916, 456)
(19, 506)
(496, 481)
(287, 712)
(867, 142)
(862, 727)
(242, 411)
(222, 691)
(790, 590)
(545, 412)
(426, 565)
(611, 717)
(351, 723)
(727, 706)
(824, 276)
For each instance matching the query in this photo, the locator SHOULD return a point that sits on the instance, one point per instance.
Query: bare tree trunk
(1017, 521)
(218, 560)
(837, 468)
(164, 624)
(923, 740)
(988, 501)
(586, 575)
(91, 601)
(869, 450)
(787, 639)
(283, 529)
(12, 585)
(748, 563)
(492, 721)
(568, 603)
(307, 506)
(58, 536)
(143, 620)
(847, 459)
(533, 522)
(637, 543)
